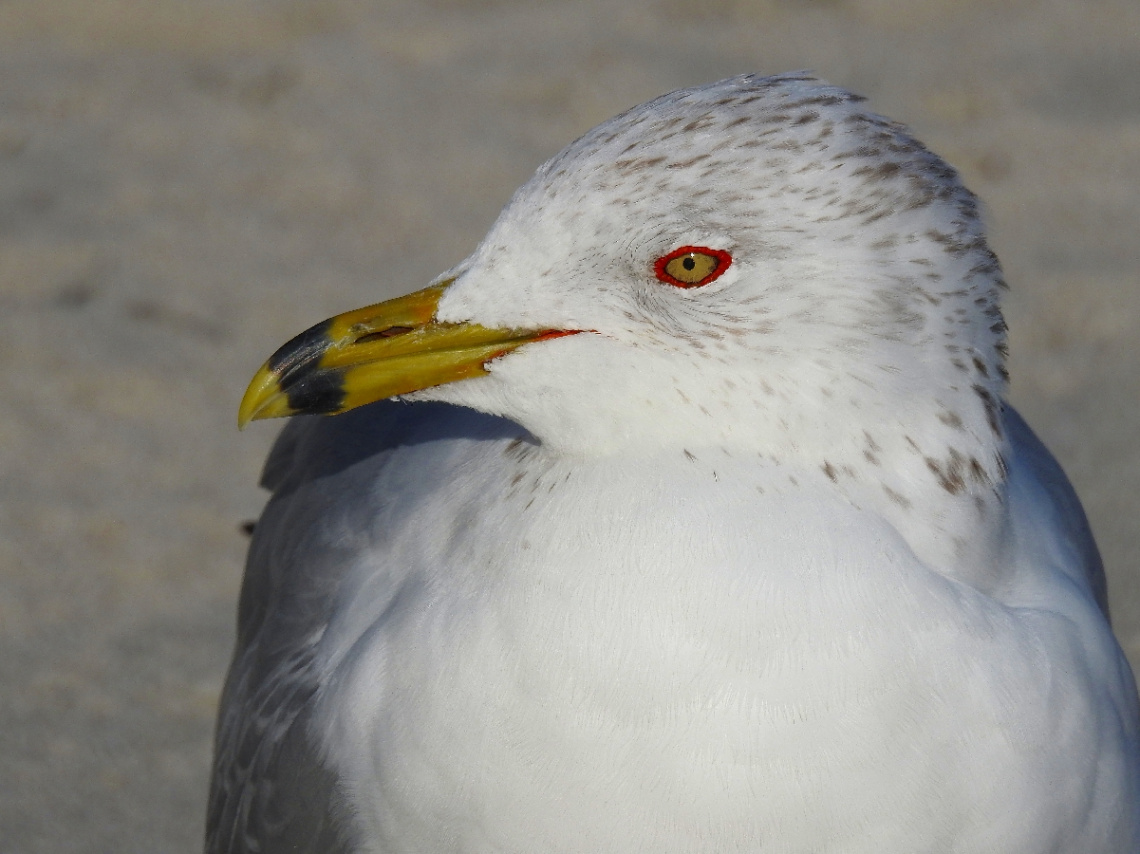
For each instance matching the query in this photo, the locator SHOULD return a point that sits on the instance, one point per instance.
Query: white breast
(657, 656)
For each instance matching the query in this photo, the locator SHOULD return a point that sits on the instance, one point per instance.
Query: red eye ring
(713, 263)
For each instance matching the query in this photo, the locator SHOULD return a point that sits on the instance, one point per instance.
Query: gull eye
(691, 266)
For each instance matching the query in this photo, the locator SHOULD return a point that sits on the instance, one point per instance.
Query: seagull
(685, 515)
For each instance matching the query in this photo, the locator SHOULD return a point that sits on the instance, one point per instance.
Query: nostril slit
(390, 332)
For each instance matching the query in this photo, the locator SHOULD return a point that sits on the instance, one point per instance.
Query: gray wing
(1067, 517)
(270, 791)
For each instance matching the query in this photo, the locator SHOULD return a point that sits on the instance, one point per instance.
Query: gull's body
(761, 565)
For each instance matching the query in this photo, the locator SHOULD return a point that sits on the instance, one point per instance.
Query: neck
(931, 466)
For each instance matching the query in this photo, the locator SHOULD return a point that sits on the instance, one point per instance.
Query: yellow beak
(361, 356)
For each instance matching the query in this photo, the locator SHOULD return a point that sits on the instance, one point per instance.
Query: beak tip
(259, 399)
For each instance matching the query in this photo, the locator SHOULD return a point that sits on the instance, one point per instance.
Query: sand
(184, 185)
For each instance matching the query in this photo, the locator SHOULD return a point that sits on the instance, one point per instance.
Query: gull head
(761, 265)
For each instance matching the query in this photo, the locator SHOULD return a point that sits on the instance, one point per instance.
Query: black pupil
(689, 263)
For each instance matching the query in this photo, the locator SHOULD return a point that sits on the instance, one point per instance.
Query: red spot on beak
(557, 333)
(545, 336)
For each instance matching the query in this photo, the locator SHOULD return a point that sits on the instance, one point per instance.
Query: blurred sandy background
(186, 183)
